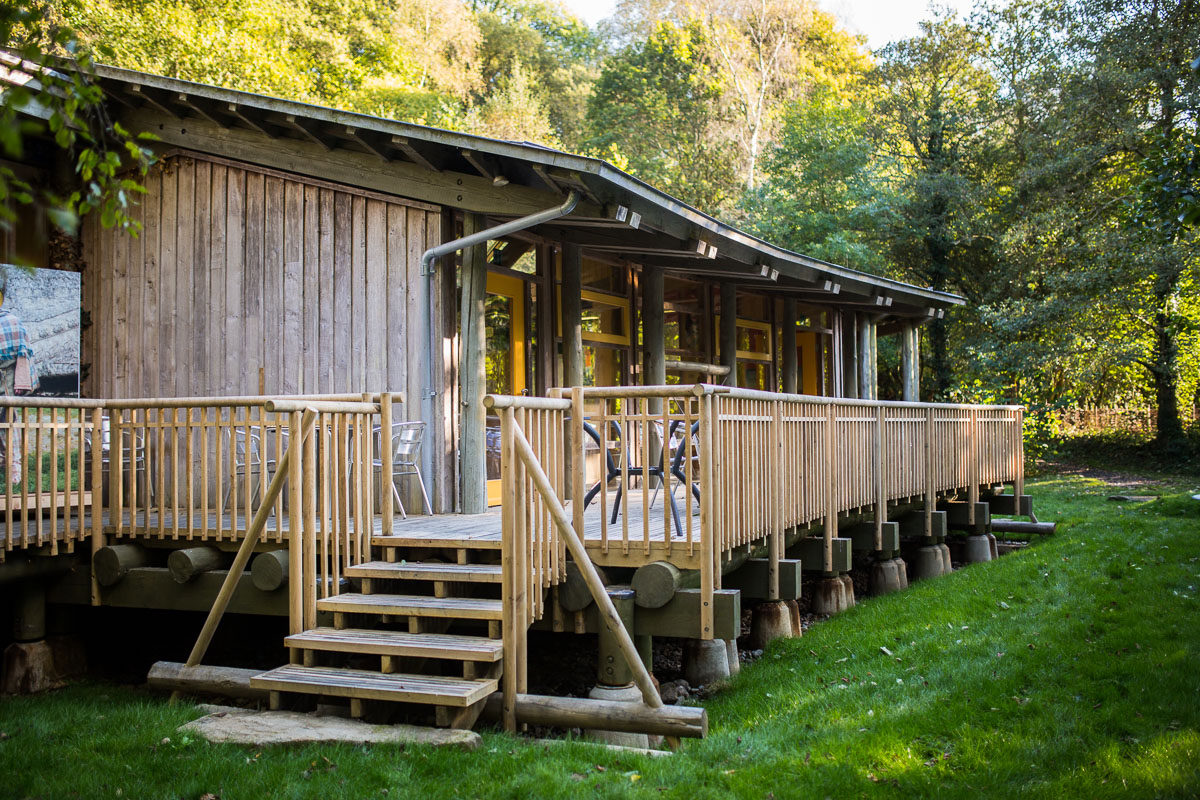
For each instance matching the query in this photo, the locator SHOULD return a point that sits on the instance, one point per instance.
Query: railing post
(775, 545)
(880, 489)
(296, 588)
(930, 492)
(973, 466)
(708, 533)
(577, 461)
(1019, 483)
(116, 481)
(830, 486)
(97, 486)
(385, 459)
(310, 533)
(511, 580)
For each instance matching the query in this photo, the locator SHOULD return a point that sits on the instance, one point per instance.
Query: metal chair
(612, 471)
(247, 453)
(406, 452)
(133, 453)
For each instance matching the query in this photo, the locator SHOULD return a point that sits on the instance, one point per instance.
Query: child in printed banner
(18, 375)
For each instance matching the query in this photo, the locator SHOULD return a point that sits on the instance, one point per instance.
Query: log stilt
(576, 712)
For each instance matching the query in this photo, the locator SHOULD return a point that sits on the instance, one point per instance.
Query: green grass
(1071, 669)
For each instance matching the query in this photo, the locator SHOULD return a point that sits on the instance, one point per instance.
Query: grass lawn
(1070, 669)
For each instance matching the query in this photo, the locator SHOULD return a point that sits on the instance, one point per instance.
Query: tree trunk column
(728, 332)
(791, 376)
(572, 315)
(849, 355)
(654, 346)
(910, 367)
(473, 372)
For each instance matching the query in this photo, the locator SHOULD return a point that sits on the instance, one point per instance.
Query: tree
(46, 89)
(933, 111)
(657, 104)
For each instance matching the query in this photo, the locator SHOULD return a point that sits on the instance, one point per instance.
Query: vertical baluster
(310, 530)
(54, 433)
(204, 426)
(36, 452)
(626, 454)
(160, 469)
(602, 426)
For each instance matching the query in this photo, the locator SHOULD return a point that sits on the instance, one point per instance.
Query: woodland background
(1040, 158)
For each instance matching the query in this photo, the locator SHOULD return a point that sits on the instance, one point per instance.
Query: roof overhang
(619, 216)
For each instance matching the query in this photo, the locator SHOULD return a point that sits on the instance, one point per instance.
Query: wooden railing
(738, 467)
(51, 470)
(327, 471)
(537, 534)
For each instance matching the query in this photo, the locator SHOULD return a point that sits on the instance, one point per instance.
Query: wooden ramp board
(414, 606)
(397, 643)
(423, 571)
(397, 687)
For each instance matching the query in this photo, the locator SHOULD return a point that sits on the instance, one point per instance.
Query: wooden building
(289, 250)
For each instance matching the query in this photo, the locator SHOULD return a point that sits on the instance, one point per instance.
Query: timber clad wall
(239, 268)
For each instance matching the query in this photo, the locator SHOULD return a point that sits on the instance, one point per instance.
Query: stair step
(423, 571)
(397, 643)
(435, 538)
(414, 606)
(398, 687)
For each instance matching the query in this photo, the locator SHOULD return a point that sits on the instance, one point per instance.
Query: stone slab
(260, 728)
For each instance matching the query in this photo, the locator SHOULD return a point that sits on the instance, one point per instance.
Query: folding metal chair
(406, 452)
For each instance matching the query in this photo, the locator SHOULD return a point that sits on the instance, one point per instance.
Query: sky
(882, 21)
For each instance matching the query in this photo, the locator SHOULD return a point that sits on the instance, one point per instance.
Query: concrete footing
(620, 694)
(770, 621)
(705, 661)
(992, 545)
(902, 570)
(946, 566)
(794, 613)
(978, 549)
(885, 577)
(928, 563)
(848, 582)
(732, 657)
(833, 595)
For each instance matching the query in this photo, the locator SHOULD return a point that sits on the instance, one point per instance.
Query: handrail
(254, 401)
(249, 542)
(518, 452)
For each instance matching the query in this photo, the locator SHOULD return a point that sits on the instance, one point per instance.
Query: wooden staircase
(424, 629)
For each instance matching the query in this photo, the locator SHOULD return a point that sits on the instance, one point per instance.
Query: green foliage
(656, 102)
(48, 91)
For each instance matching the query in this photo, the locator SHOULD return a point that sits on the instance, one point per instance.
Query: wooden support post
(513, 582)
(708, 532)
(293, 470)
(864, 357)
(849, 354)
(472, 372)
(791, 367)
(728, 333)
(386, 499)
(612, 669)
(830, 531)
(880, 477)
(930, 492)
(909, 368)
(572, 314)
(775, 540)
(97, 490)
(654, 352)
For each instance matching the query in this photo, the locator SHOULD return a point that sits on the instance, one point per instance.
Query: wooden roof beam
(198, 109)
(139, 91)
(296, 125)
(353, 135)
(414, 155)
(245, 119)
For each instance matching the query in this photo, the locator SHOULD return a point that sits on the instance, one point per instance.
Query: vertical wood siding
(239, 270)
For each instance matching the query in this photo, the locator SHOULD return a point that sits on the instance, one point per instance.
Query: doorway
(504, 318)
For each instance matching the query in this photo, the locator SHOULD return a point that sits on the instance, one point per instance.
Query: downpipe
(429, 270)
